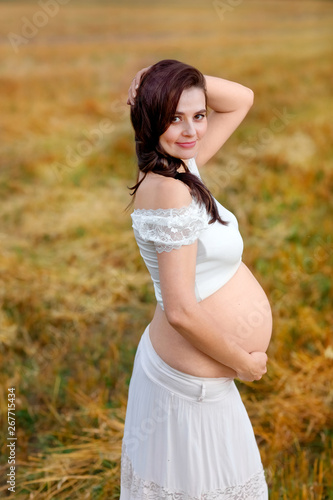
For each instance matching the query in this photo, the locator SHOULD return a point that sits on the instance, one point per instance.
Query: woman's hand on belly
(259, 367)
(234, 308)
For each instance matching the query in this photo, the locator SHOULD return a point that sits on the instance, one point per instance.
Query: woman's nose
(189, 128)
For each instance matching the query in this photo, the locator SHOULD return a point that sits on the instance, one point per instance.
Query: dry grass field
(75, 293)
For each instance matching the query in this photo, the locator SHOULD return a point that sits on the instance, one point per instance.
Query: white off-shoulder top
(220, 247)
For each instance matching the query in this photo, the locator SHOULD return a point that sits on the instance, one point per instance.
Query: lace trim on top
(141, 489)
(170, 228)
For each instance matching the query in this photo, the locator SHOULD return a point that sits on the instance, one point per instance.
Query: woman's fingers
(261, 360)
(135, 85)
(132, 92)
(257, 369)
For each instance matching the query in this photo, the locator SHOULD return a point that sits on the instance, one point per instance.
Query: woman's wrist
(253, 367)
(243, 363)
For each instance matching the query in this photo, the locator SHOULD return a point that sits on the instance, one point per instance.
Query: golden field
(75, 293)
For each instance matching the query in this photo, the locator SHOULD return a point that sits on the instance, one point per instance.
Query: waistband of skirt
(181, 383)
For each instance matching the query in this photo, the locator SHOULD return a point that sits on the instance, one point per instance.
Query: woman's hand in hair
(135, 85)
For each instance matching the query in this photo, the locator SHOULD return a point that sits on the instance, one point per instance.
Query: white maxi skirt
(186, 437)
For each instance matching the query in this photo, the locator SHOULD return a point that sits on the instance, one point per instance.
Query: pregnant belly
(243, 311)
(242, 307)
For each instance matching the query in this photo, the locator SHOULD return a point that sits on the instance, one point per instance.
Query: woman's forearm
(201, 329)
(224, 96)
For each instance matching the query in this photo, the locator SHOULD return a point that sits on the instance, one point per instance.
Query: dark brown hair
(151, 114)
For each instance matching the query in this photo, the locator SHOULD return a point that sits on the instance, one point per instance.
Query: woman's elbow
(250, 97)
(179, 315)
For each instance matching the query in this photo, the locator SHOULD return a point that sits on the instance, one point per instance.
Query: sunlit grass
(75, 293)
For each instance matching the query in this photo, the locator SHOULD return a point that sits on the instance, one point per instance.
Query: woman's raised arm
(230, 103)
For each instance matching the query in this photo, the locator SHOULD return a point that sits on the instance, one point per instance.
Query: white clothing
(220, 247)
(186, 437)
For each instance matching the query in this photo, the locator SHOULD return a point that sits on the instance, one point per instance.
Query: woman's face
(188, 126)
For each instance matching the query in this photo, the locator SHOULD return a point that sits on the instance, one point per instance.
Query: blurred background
(75, 293)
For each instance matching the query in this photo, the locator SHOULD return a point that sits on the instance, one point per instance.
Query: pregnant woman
(187, 434)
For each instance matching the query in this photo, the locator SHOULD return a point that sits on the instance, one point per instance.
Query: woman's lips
(186, 144)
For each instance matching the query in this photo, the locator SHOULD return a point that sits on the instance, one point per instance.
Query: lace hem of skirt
(140, 489)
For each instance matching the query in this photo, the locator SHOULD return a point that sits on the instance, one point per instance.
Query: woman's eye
(177, 119)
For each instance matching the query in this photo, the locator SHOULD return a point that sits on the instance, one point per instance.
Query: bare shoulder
(157, 191)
